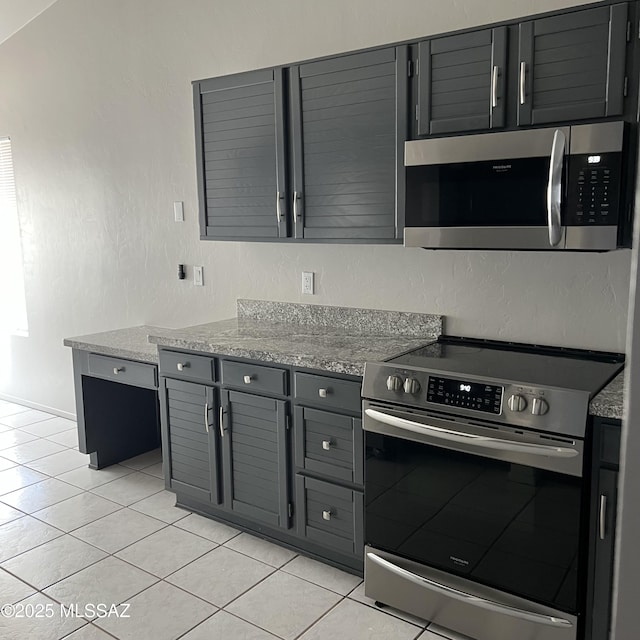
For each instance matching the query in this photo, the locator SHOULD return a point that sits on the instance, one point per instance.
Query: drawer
(330, 515)
(328, 392)
(130, 372)
(329, 444)
(254, 377)
(186, 365)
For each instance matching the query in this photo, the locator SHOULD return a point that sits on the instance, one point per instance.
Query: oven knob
(394, 383)
(411, 385)
(517, 403)
(539, 407)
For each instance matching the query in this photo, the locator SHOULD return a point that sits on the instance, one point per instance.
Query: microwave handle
(554, 188)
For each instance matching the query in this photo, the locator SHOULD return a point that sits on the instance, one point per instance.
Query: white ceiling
(15, 14)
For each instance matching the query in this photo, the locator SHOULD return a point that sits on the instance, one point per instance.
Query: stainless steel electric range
(476, 488)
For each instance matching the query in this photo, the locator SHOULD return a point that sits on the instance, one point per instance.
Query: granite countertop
(337, 339)
(609, 402)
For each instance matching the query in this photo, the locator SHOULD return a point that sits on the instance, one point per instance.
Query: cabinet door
(572, 66)
(189, 439)
(604, 552)
(349, 123)
(461, 82)
(255, 457)
(240, 156)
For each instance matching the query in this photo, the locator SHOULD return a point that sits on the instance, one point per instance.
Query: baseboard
(38, 406)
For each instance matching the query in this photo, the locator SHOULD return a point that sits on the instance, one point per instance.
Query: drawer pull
(326, 445)
(326, 514)
(323, 392)
(181, 366)
(118, 370)
(247, 379)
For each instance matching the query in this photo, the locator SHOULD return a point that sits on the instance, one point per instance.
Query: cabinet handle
(326, 445)
(118, 370)
(278, 206)
(523, 75)
(247, 379)
(326, 514)
(296, 195)
(494, 86)
(181, 366)
(206, 416)
(221, 422)
(603, 516)
(323, 392)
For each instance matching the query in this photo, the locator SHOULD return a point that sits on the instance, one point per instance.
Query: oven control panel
(465, 394)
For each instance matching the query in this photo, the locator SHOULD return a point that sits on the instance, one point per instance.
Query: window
(13, 307)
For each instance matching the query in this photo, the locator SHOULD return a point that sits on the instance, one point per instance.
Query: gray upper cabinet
(572, 66)
(461, 82)
(189, 439)
(349, 124)
(239, 123)
(254, 447)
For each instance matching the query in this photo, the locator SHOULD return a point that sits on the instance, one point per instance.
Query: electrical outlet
(178, 211)
(307, 282)
(198, 276)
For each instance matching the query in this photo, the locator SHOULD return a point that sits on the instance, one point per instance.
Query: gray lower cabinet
(190, 443)
(255, 457)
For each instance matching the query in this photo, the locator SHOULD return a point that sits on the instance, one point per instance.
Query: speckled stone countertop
(609, 402)
(130, 343)
(337, 339)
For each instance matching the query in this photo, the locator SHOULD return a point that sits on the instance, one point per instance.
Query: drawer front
(254, 377)
(329, 444)
(186, 365)
(138, 374)
(330, 515)
(328, 392)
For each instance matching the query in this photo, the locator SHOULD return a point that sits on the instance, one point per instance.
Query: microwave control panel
(594, 189)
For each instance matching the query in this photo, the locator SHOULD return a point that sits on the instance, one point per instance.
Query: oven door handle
(476, 601)
(470, 438)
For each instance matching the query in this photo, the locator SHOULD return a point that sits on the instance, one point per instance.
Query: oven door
(474, 527)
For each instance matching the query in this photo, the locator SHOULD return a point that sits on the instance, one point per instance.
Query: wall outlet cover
(307, 283)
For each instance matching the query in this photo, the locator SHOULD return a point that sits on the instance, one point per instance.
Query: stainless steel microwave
(539, 189)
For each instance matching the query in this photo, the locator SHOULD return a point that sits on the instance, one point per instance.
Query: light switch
(178, 211)
(198, 276)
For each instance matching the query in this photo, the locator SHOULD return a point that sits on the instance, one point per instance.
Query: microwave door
(490, 191)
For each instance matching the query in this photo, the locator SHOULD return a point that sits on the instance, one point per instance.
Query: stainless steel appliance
(541, 189)
(476, 494)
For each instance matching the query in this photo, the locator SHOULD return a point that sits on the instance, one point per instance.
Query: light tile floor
(75, 541)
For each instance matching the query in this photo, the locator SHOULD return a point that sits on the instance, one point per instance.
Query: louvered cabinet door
(240, 153)
(349, 124)
(255, 457)
(189, 439)
(572, 66)
(461, 82)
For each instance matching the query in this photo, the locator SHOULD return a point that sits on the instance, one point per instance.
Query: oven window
(507, 526)
(479, 194)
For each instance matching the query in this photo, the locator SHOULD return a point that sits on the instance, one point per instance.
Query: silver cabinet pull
(470, 599)
(326, 445)
(494, 86)
(206, 416)
(278, 206)
(181, 366)
(296, 195)
(523, 76)
(247, 379)
(323, 392)
(221, 422)
(603, 517)
(118, 370)
(554, 187)
(326, 514)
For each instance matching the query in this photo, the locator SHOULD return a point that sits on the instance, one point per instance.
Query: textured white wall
(96, 97)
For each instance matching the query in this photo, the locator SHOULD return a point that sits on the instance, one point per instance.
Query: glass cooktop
(576, 369)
